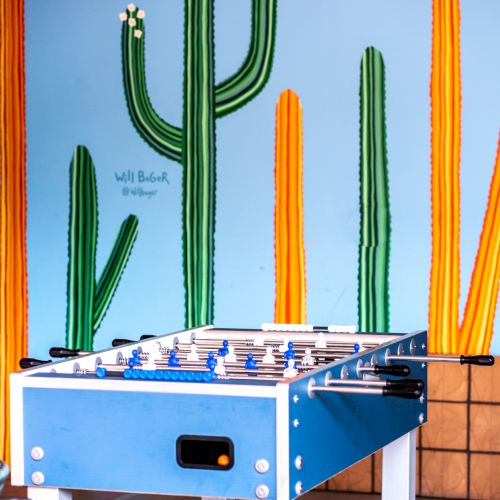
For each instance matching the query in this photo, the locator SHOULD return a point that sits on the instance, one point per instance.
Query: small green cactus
(88, 300)
(375, 230)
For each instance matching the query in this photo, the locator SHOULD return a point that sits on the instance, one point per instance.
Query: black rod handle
(396, 370)
(63, 352)
(477, 360)
(407, 382)
(119, 342)
(402, 392)
(146, 337)
(31, 362)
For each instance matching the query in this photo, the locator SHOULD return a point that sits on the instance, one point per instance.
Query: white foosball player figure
(321, 342)
(268, 359)
(308, 359)
(193, 354)
(290, 370)
(220, 369)
(148, 363)
(230, 357)
(284, 347)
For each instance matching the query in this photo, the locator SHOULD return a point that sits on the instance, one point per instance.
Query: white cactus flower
(132, 22)
(137, 33)
(131, 7)
(141, 14)
(122, 16)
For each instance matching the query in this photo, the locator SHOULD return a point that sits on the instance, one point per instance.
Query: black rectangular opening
(205, 452)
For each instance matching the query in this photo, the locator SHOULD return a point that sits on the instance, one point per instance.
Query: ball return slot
(205, 452)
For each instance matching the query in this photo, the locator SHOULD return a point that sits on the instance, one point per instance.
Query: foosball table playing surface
(235, 413)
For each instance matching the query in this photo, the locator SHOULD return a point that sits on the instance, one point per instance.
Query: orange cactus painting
(290, 305)
(476, 330)
(475, 333)
(13, 282)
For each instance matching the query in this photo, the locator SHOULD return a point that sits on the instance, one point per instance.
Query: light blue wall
(75, 96)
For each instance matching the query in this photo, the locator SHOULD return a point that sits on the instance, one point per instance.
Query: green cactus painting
(375, 228)
(193, 144)
(88, 300)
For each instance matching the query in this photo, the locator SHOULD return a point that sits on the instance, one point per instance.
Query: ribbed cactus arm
(374, 246)
(82, 250)
(253, 74)
(160, 135)
(112, 273)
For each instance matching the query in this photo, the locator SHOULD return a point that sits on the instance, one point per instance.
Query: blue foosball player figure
(250, 364)
(211, 361)
(290, 354)
(224, 350)
(174, 360)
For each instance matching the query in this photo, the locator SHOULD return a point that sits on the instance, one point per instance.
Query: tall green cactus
(375, 230)
(193, 145)
(87, 300)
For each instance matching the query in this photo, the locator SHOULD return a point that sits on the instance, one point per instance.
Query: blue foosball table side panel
(331, 431)
(126, 441)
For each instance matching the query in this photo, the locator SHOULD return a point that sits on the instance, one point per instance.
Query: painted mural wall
(174, 180)
(234, 162)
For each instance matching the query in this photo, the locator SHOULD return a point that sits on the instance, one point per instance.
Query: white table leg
(399, 468)
(35, 493)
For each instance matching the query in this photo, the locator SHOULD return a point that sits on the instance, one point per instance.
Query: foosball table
(216, 412)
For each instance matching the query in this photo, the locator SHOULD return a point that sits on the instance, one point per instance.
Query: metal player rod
(320, 359)
(280, 362)
(251, 342)
(196, 366)
(402, 392)
(348, 390)
(481, 360)
(256, 351)
(261, 351)
(260, 355)
(297, 344)
(375, 383)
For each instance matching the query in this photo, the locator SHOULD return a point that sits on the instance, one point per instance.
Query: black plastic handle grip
(31, 362)
(477, 360)
(396, 370)
(146, 337)
(63, 352)
(402, 392)
(119, 342)
(408, 382)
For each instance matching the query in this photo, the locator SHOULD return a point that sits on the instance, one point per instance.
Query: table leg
(399, 468)
(35, 493)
